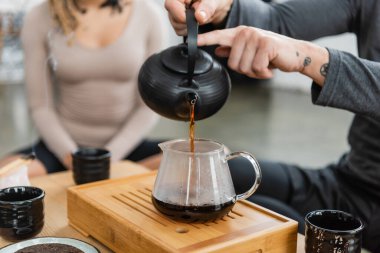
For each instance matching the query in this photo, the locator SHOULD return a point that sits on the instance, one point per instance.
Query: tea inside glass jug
(197, 186)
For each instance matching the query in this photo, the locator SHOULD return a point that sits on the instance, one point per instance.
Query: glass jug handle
(256, 167)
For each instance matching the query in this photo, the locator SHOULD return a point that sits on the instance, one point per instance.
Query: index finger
(218, 37)
(177, 10)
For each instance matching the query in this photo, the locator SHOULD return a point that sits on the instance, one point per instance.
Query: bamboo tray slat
(119, 213)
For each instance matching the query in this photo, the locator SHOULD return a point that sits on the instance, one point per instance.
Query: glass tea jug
(197, 186)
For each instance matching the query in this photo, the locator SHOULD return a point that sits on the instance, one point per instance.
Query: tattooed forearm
(310, 59)
(324, 69)
(306, 61)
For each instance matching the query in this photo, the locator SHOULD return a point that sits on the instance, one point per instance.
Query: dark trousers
(293, 191)
(53, 164)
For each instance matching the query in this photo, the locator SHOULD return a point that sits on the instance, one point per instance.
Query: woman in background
(82, 59)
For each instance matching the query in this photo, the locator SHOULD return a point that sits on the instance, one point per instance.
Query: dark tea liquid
(193, 213)
(192, 126)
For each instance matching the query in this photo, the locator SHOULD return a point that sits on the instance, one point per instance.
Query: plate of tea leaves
(50, 245)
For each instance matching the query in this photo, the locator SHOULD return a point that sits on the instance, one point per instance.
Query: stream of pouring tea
(190, 176)
(192, 126)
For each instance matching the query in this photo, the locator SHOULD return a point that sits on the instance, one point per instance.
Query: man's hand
(255, 52)
(206, 11)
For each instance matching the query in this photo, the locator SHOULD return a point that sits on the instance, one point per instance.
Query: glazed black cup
(21, 212)
(332, 231)
(91, 164)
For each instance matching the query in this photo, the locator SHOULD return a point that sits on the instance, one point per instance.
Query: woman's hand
(68, 162)
(255, 52)
(206, 11)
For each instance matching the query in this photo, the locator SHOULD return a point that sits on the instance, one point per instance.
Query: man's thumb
(204, 10)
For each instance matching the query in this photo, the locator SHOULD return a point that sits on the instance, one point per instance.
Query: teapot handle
(256, 167)
(192, 42)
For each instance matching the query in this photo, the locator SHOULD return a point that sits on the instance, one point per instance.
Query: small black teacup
(21, 212)
(91, 164)
(332, 231)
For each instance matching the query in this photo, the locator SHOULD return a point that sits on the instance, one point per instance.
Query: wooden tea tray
(119, 213)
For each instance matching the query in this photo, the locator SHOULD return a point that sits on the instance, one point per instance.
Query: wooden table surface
(56, 223)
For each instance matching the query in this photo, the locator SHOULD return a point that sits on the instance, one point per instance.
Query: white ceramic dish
(83, 246)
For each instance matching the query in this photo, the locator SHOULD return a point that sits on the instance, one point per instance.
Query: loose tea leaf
(50, 248)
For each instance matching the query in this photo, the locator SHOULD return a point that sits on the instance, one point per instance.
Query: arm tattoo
(324, 69)
(307, 61)
(298, 54)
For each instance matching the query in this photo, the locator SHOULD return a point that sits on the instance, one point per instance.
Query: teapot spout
(192, 97)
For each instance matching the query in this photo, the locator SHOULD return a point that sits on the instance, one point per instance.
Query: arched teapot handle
(192, 42)
(256, 167)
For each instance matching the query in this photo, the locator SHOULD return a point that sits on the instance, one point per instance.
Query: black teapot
(182, 75)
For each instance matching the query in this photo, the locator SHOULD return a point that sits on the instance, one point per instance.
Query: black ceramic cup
(21, 212)
(332, 231)
(91, 164)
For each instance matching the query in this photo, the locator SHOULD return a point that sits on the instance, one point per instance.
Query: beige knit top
(88, 97)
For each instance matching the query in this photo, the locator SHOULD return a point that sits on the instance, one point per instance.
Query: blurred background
(273, 119)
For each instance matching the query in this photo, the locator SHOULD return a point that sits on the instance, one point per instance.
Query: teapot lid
(187, 58)
(176, 59)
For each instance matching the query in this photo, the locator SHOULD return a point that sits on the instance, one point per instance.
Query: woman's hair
(62, 11)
